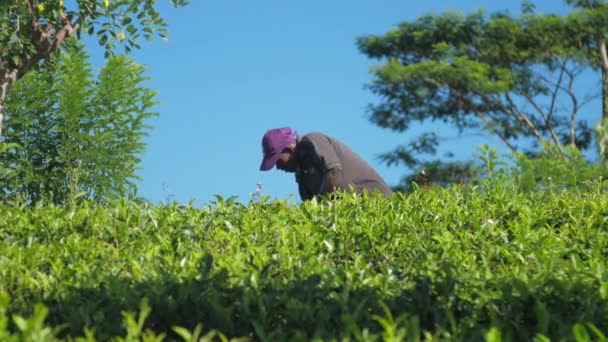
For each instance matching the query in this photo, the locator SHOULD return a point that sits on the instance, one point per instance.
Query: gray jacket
(324, 164)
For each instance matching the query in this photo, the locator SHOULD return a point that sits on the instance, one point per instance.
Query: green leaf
(21, 323)
(493, 335)
(604, 290)
(183, 333)
(580, 333)
(597, 332)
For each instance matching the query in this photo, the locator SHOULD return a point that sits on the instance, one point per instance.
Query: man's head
(278, 145)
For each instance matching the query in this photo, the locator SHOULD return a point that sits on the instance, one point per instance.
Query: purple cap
(273, 142)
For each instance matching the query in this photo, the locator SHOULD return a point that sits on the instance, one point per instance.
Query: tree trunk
(8, 77)
(604, 66)
(1, 117)
(602, 127)
(604, 94)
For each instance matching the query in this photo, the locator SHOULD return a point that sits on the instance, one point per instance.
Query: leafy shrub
(457, 264)
(70, 134)
(554, 169)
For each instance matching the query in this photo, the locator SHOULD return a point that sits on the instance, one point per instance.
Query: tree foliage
(510, 76)
(73, 134)
(31, 30)
(592, 17)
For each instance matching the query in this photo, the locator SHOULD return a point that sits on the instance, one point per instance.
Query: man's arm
(309, 173)
(331, 180)
(330, 162)
(305, 195)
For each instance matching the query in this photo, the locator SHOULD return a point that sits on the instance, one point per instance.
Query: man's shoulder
(314, 143)
(316, 136)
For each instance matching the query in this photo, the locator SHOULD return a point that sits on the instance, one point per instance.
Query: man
(322, 164)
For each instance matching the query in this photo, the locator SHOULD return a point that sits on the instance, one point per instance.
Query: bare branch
(588, 99)
(461, 136)
(570, 91)
(30, 5)
(66, 31)
(576, 106)
(45, 46)
(521, 116)
(535, 105)
(556, 90)
(546, 118)
(500, 135)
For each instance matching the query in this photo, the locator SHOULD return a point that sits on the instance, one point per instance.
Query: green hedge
(485, 263)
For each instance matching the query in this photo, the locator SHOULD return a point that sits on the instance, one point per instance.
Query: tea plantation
(467, 264)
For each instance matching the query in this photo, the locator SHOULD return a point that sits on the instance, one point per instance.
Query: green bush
(71, 134)
(470, 264)
(555, 169)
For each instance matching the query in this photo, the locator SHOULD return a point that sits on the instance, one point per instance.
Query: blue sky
(233, 69)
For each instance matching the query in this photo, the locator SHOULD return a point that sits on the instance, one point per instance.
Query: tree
(73, 134)
(510, 76)
(31, 31)
(591, 22)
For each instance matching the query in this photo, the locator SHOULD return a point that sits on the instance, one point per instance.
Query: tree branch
(526, 120)
(465, 98)
(30, 5)
(522, 117)
(45, 45)
(66, 31)
(546, 117)
(576, 106)
(500, 135)
(556, 89)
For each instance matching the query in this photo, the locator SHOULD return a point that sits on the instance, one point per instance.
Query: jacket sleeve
(305, 194)
(331, 180)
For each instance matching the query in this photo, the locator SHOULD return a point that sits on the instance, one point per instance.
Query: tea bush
(465, 263)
